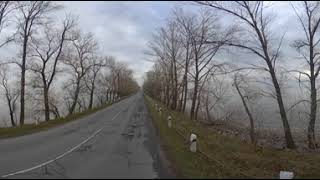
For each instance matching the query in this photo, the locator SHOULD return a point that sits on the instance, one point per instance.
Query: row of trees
(52, 52)
(188, 50)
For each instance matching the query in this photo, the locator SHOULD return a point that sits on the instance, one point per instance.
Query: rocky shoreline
(265, 138)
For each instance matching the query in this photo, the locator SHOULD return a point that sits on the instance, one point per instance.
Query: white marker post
(160, 111)
(193, 143)
(169, 121)
(286, 175)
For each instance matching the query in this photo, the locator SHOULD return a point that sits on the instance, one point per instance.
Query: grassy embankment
(221, 156)
(32, 128)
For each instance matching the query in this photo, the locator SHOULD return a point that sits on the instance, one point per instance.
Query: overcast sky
(122, 28)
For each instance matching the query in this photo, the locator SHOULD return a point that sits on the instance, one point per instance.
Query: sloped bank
(222, 156)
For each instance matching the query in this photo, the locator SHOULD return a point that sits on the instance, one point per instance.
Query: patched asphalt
(126, 147)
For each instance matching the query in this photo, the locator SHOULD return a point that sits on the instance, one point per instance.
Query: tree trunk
(174, 99)
(185, 78)
(108, 95)
(46, 104)
(114, 89)
(208, 114)
(207, 109)
(194, 97)
(252, 129)
(288, 136)
(185, 93)
(22, 83)
(313, 96)
(91, 96)
(313, 114)
(55, 111)
(115, 96)
(181, 100)
(197, 108)
(13, 123)
(175, 87)
(111, 95)
(75, 99)
(22, 97)
(167, 96)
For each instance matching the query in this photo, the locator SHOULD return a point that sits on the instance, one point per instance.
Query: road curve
(116, 142)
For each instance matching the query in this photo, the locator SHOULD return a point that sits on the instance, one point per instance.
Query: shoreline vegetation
(221, 156)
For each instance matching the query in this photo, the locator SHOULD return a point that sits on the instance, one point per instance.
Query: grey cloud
(122, 28)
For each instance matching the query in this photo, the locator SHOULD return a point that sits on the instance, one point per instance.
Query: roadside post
(160, 111)
(169, 121)
(193, 143)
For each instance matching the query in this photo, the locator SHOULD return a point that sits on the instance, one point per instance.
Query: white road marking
(60, 156)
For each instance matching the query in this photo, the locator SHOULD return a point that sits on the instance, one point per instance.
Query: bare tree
(31, 15)
(166, 47)
(185, 23)
(53, 106)
(116, 70)
(77, 57)
(205, 29)
(111, 64)
(181, 50)
(91, 77)
(11, 94)
(46, 56)
(153, 83)
(257, 25)
(104, 84)
(238, 80)
(213, 96)
(126, 84)
(172, 51)
(308, 47)
(6, 8)
(103, 87)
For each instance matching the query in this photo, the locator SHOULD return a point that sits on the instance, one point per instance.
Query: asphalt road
(117, 142)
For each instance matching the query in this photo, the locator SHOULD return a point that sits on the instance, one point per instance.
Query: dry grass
(225, 157)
